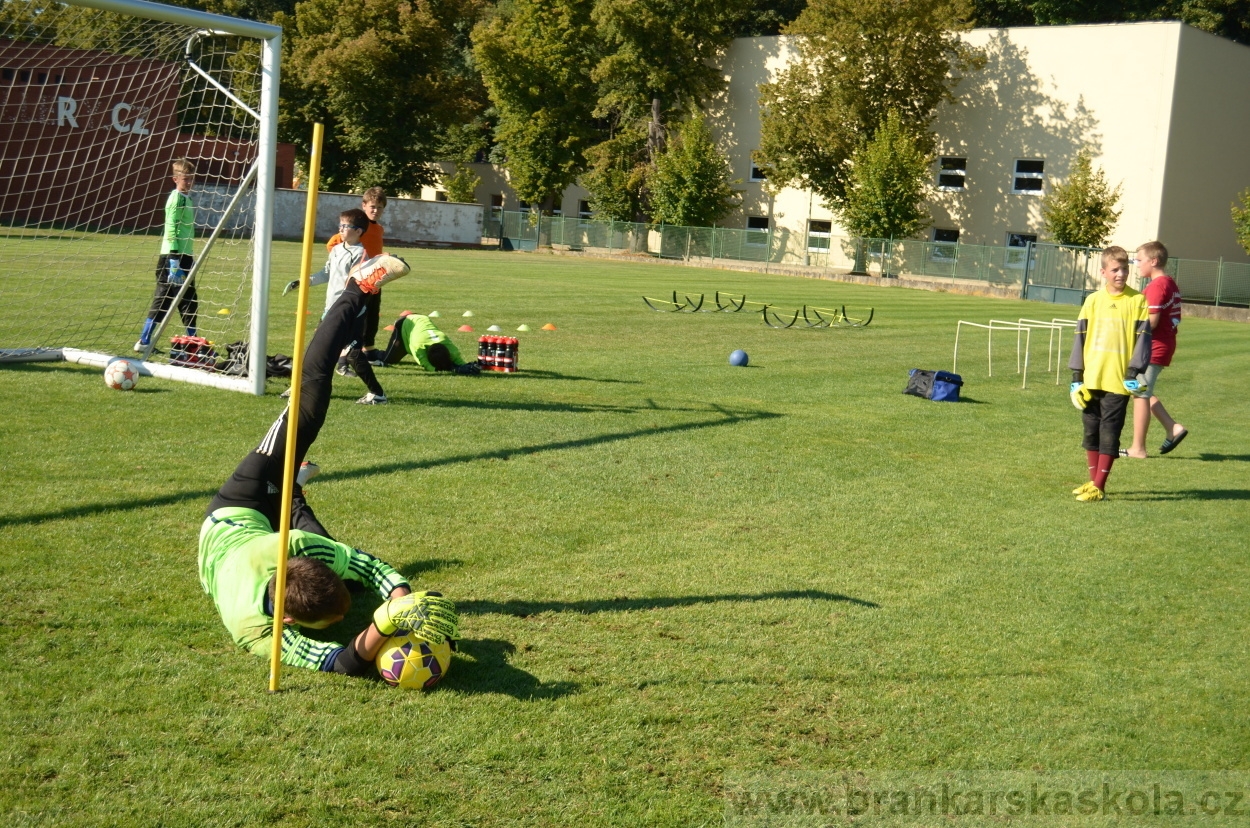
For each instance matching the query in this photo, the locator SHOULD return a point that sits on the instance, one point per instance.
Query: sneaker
(378, 271)
(377, 361)
(1084, 487)
(286, 395)
(373, 399)
(1092, 495)
(307, 471)
(140, 346)
(344, 370)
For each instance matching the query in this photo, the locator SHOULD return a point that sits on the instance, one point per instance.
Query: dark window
(41, 77)
(6, 75)
(23, 76)
(757, 222)
(440, 196)
(1016, 255)
(818, 233)
(583, 209)
(1028, 178)
(952, 172)
(496, 200)
(757, 174)
(1021, 239)
(945, 235)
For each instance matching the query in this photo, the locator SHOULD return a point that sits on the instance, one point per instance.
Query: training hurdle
(813, 317)
(997, 325)
(1054, 350)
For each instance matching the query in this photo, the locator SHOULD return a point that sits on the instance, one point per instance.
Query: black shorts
(1103, 419)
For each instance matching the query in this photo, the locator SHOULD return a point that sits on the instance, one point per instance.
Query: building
(1164, 109)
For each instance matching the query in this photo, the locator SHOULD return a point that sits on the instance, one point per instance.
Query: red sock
(1091, 459)
(1104, 470)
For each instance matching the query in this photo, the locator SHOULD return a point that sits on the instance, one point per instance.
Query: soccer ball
(739, 358)
(413, 663)
(121, 374)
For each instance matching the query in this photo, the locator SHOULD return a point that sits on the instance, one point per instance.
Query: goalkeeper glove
(470, 368)
(1079, 394)
(176, 273)
(427, 614)
(290, 286)
(1137, 387)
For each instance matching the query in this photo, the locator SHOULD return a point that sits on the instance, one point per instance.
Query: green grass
(669, 570)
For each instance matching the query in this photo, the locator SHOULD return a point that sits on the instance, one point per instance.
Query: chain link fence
(1050, 272)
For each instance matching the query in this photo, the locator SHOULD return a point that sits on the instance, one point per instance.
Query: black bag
(939, 386)
(278, 365)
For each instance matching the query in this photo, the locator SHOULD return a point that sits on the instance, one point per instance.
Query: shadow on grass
(972, 401)
(727, 417)
(414, 570)
(490, 672)
(524, 609)
(526, 373)
(571, 408)
(1186, 494)
(1222, 458)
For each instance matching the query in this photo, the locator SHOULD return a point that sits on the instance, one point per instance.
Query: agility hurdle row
(1023, 329)
(812, 316)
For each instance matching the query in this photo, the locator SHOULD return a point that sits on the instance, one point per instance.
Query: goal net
(98, 99)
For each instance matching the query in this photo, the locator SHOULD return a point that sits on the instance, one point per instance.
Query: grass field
(669, 570)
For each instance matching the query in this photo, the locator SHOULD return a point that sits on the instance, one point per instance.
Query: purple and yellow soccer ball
(413, 663)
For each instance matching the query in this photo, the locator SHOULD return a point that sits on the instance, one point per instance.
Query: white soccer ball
(121, 374)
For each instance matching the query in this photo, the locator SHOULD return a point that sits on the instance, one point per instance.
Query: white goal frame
(270, 38)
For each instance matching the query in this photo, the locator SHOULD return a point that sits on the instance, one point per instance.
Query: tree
(858, 59)
(383, 79)
(617, 177)
(885, 196)
(1241, 219)
(690, 184)
(1226, 18)
(535, 61)
(1081, 211)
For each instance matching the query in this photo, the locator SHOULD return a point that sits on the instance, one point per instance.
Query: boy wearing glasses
(175, 260)
(345, 255)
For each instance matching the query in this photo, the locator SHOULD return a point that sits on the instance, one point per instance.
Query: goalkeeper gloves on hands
(470, 368)
(1079, 394)
(1137, 387)
(427, 614)
(176, 274)
(290, 286)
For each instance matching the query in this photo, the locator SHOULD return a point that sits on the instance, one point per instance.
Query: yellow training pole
(292, 420)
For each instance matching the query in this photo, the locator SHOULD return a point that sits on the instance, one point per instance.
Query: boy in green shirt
(1110, 352)
(416, 335)
(238, 550)
(175, 260)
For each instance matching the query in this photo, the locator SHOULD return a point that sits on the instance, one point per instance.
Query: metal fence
(1054, 273)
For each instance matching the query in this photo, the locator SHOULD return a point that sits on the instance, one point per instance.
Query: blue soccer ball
(739, 358)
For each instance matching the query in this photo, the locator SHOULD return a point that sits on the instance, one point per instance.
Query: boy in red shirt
(1164, 299)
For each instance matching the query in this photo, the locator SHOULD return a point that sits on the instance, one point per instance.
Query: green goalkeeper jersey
(419, 334)
(179, 224)
(238, 557)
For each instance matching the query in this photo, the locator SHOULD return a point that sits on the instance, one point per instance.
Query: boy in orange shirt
(373, 202)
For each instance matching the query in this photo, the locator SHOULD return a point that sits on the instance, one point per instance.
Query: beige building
(1164, 109)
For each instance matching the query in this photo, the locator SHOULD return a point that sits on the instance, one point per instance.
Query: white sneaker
(307, 471)
(373, 399)
(140, 347)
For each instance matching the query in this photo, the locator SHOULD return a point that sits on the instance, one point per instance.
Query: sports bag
(192, 352)
(939, 386)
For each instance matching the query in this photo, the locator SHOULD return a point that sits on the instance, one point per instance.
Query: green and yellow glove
(427, 614)
(290, 286)
(1080, 395)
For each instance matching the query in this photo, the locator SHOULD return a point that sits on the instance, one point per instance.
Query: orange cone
(549, 327)
(465, 329)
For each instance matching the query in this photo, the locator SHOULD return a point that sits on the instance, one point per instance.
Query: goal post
(98, 98)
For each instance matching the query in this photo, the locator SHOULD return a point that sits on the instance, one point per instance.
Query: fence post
(611, 223)
(1028, 266)
(687, 259)
(1219, 281)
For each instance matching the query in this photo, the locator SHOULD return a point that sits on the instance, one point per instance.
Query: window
(943, 249)
(496, 202)
(583, 210)
(951, 173)
(1028, 177)
(818, 233)
(440, 196)
(757, 230)
(1017, 244)
(757, 174)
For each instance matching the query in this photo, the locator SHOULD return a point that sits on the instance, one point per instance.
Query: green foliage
(857, 60)
(888, 174)
(462, 184)
(535, 61)
(617, 177)
(666, 49)
(1081, 211)
(1241, 219)
(668, 570)
(381, 75)
(1226, 18)
(690, 185)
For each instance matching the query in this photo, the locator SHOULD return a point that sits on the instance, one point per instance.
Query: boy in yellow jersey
(1110, 353)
